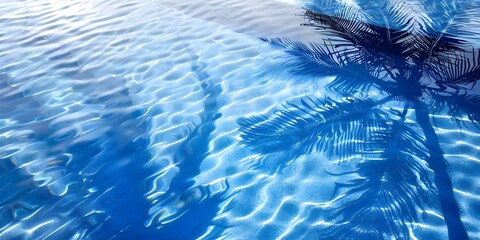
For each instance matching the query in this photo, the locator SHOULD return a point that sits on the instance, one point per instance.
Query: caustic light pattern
(173, 120)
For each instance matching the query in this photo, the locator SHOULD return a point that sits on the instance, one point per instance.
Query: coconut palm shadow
(423, 66)
(14, 105)
(18, 113)
(117, 170)
(111, 163)
(187, 210)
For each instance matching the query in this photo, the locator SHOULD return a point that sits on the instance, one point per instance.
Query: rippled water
(130, 120)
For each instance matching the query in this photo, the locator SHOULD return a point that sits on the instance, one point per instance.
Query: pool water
(218, 120)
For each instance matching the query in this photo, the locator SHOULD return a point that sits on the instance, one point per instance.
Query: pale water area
(165, 119)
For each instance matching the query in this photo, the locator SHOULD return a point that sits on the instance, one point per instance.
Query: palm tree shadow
(114, 165)
(22, 117)
(187, 210)
(34, 168)
(14, 105)
(111, 165)
(121, 182)
(400, 164)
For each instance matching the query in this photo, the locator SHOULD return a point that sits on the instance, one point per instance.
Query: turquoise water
(175, 120)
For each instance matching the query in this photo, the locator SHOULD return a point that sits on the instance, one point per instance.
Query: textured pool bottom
(116, 95)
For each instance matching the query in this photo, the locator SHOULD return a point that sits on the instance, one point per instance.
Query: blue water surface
(239, 119)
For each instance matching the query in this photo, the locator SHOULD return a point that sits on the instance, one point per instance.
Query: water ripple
(118, 121)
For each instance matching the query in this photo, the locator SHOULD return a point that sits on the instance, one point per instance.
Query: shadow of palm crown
(412, 53)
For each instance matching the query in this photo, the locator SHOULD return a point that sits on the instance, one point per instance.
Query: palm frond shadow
(395, 173)
(312, 125)
(187, 210)
(83, 165)
(419, 60)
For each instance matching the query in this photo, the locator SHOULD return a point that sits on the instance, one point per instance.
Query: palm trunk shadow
(186, 210)
(407, 61)
(438, 164)
(116, 201)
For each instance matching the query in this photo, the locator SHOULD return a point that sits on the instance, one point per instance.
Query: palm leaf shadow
(187, 210)
(408, 60)
(25, 126)
(395, 172)
(47, 168)
(312, 125)
(117, 207)
(119, 198)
